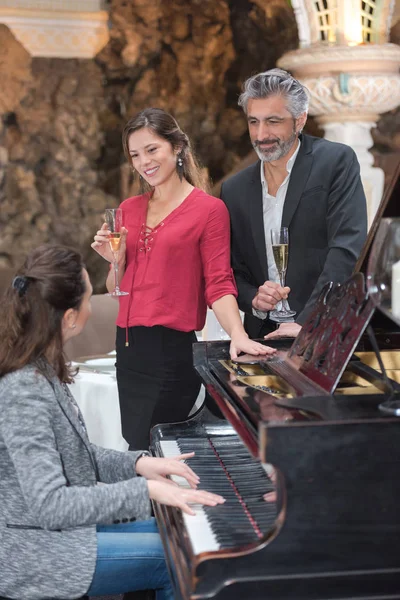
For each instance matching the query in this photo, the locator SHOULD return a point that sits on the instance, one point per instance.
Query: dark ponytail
(32, 308)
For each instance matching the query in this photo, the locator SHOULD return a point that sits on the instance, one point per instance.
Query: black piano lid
(388, 207)
(386, 331)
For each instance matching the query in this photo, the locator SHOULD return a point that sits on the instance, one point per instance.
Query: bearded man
(307, 184)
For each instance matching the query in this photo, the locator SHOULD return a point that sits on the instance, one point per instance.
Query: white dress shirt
(272, 215)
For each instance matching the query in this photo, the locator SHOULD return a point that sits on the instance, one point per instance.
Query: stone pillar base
(357, 135)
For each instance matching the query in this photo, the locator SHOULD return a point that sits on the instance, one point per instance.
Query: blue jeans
(130, 557)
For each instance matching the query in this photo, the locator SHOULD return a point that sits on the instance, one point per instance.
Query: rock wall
(61, 160)
(51, 140)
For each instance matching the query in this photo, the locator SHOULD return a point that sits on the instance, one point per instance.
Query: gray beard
(281, 150)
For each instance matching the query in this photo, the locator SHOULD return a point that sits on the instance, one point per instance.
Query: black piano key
(225, 467)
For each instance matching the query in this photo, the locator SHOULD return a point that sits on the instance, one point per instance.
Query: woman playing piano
(175, 260)
(63, 535)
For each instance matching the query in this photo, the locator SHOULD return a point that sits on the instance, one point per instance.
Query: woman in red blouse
(174, 261)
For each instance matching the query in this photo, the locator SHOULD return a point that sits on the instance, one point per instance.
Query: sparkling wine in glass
(383, 284)
(280, 249)
(114, 220)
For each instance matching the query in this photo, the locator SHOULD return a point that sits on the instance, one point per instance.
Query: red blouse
(176, 269)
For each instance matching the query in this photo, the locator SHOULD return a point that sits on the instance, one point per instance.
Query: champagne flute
(383, 285)
(114, 219)
(280, 249)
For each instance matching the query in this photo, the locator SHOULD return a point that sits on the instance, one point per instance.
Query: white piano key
(169, 448)
(198, 527)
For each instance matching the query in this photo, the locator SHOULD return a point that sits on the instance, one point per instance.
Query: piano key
(225, 467)
(198, 527)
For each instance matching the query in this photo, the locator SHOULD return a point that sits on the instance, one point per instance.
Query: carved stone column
(57, 28)
(351, 73)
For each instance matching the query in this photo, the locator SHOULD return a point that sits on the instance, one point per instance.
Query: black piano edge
(381, 585)
(328, 407)
(365, 584)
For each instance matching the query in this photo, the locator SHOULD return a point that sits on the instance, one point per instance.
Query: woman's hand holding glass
(112, 235)
(102, 244)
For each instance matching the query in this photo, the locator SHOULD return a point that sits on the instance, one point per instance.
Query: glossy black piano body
(336, 460)
(337, 528)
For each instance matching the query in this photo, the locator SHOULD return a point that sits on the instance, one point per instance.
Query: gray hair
(276, 82)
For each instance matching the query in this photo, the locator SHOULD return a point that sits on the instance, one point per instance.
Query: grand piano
(309, 465)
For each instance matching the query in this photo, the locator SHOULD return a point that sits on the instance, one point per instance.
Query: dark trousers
(265, 326)
(156, 380)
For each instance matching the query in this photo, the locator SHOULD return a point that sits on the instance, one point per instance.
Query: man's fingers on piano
(270, 497)
(284, 330)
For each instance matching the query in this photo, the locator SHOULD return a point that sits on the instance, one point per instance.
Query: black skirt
(156, 380)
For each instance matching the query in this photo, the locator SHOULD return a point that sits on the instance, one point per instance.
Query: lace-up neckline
(146, 238)
(147, 233)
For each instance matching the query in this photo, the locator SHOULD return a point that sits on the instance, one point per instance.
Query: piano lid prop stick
(396, 289)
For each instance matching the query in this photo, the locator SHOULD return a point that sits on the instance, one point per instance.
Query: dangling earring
(179, 167)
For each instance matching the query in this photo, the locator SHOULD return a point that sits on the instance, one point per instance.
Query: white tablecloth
(97, 397)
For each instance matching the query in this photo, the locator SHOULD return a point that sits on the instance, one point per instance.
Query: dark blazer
(325, 211)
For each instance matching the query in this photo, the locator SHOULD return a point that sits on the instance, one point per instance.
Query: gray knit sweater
(49, 498)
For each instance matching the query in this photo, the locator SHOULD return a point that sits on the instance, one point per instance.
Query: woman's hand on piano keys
(241, 342)
(159, 468)
(165, 493)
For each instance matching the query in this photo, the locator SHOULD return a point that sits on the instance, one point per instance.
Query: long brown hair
(32, 308)
(165, 126)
